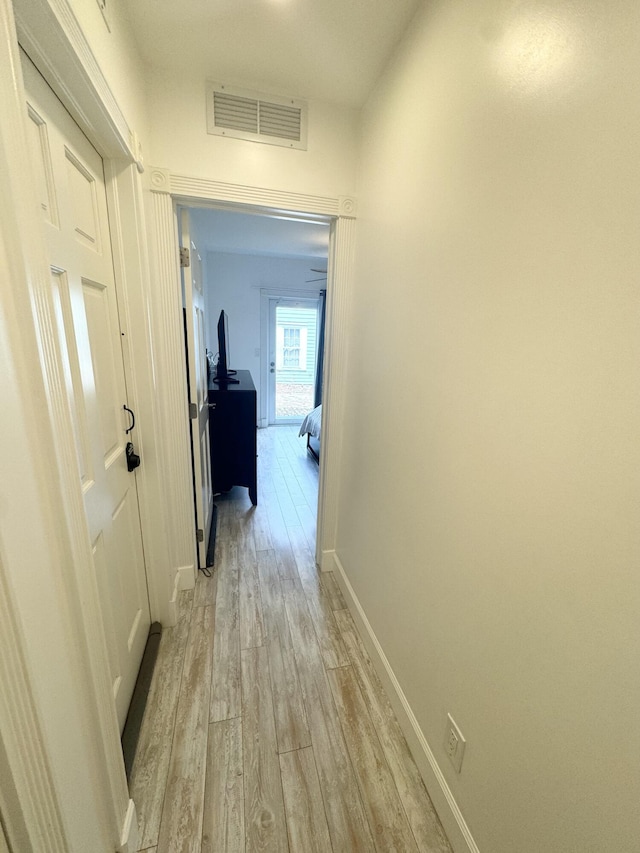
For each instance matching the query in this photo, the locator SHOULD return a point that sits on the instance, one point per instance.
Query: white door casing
(193, 290)
(168, 188)
(74, 212)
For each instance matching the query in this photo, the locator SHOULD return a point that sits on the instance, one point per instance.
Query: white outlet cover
(454, 743)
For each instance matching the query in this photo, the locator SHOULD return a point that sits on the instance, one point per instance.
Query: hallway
(267, 728)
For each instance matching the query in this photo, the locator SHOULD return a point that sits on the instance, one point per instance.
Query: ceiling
(330, 50)
(253, 234)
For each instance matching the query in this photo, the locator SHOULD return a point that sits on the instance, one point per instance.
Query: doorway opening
(259, 269)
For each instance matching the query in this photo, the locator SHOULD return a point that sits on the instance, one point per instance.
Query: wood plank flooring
(267, 729)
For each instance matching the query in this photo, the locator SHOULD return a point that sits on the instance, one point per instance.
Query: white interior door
(193, 290)
(74, 213)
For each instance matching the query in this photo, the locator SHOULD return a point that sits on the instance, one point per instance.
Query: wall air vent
(256, 117)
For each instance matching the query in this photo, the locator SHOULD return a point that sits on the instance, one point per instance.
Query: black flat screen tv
(223, 374)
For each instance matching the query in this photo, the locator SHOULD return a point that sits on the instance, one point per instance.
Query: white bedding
(312, 422)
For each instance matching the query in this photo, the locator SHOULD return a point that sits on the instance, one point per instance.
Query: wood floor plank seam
(324, 806)
(173, 733)
(387, 818)
(359, 837)
(292, 728)
(265, 821)
(423, 820)
(250, 616)
(306, 817)
(223, 826)
(225, 676)
(348, 824)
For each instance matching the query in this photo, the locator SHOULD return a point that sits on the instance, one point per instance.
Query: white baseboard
(176, 590)
(183, 579)
(327, 563)
(454, 824)
(129, 834)
(186, 577)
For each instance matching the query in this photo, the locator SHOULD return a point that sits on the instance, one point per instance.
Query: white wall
(489, 509)
(181, 143)
(234, 283)
(117, 55)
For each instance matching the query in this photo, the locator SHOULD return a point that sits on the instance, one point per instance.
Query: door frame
(170, 191)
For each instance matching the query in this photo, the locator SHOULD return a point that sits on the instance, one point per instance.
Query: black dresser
(232, 427)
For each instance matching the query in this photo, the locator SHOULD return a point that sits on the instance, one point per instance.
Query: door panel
(73, 379)
(107, 597)
(41, 159)
(126, 537)
(84, 202)
(108, 389)
(75, 226)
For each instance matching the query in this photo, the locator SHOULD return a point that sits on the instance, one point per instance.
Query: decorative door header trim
(184, 187)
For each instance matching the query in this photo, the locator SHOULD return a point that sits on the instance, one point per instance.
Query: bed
(311, 427)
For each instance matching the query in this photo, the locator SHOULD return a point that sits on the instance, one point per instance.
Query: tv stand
(232, 429)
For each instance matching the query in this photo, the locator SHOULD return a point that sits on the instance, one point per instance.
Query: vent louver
(255, 117)
(235, 113)
(277, 120)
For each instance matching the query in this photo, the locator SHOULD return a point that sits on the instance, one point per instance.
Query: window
(291, 347)
(291, 351)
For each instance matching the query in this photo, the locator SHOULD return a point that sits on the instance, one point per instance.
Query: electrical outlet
(454, 743)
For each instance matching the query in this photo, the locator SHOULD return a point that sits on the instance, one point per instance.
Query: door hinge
(184, 256)
(193, 411)
(200, 534)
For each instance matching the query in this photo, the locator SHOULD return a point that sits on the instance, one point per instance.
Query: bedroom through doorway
(267, 274)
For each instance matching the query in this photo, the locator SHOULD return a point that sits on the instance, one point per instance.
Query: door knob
(272, 370)
(273, 364)
(133, 460)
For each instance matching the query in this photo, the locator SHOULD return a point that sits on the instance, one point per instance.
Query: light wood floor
(267, 728)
